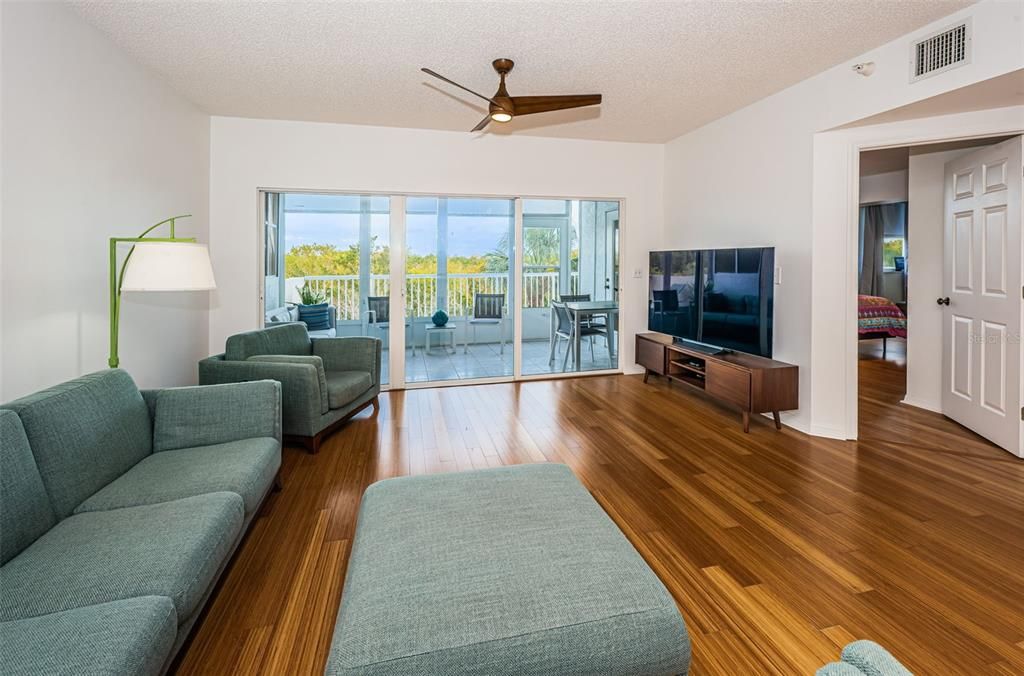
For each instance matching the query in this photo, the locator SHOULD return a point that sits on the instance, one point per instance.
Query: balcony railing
(421, 291)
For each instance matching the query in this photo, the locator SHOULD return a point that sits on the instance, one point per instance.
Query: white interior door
(983, 294)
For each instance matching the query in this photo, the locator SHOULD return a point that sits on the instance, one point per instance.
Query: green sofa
(119, 510)
(864, 658)
(512, 570)
(325, 380)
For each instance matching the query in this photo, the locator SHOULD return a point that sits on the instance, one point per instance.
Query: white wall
(752, 177)
(925, 216)
(888, 187)
(246, 155)
(94, 146)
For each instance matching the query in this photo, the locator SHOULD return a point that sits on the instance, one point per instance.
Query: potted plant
(311, 296)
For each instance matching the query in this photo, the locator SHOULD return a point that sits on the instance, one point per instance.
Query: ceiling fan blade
(453, 82)
(483, 123)
(525, 105)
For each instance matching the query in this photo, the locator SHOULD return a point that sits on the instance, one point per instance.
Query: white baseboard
(926, 405)
(828, 432)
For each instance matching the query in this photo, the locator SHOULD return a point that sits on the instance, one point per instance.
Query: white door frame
(835, 219)
(396, 283)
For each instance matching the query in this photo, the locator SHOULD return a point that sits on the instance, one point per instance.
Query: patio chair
(488, 308)
(563, 329)
(378, 313)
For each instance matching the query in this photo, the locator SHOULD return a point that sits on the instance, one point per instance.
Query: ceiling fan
(504, 107)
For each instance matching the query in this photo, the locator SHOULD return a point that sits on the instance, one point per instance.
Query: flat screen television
(714, 299)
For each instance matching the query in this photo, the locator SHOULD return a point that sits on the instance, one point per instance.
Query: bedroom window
(892, 248)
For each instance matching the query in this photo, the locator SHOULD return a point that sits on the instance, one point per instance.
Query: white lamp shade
(169, 266)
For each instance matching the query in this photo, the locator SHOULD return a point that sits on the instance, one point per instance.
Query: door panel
(963, 359)
(993, 366)
(982, 276)
(993, 257)
(963, 252)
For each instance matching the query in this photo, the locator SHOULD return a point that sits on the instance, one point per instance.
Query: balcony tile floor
(485, 360)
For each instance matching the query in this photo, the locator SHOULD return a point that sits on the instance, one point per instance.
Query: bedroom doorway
(923, 240)
(883, 256)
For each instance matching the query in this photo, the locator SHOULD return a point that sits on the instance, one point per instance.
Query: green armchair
(325, 381)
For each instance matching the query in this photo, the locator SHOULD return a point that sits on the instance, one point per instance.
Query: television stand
(751, 383)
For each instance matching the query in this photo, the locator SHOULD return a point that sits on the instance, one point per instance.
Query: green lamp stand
(157, 264)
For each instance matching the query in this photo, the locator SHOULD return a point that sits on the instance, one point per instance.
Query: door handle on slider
(943, 301)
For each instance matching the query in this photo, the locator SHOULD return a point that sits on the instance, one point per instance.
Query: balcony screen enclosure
(458, 257)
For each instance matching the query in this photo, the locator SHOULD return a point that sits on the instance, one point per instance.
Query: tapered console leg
(778, 420)
(746, 422)
(647, 373)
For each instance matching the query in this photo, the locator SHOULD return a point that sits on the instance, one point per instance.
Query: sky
(305, 222)
(466, 236)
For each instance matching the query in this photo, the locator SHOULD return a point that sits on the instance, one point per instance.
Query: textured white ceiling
(664, 68)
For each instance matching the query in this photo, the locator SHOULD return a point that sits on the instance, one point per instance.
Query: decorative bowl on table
(440, 318)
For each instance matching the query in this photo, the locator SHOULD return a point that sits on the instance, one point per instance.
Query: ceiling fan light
(501, 116)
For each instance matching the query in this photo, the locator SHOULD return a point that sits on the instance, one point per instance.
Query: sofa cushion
(186, 417)
(506, 570)
(25, 511)
(171, 549)
(344, 387)
(84, 434)
(134, 636)
(284, 339)
(245, 467)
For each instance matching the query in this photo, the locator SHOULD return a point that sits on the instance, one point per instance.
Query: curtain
(874, 220)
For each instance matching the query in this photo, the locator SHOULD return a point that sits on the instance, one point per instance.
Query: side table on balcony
(431, 329)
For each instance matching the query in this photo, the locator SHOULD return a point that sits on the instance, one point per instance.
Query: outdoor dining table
(580, 310)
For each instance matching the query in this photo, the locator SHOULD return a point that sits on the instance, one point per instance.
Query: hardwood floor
(779, 548)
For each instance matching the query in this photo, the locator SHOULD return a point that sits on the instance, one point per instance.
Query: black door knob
(943, 301)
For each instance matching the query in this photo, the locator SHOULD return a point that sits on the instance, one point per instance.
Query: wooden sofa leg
(313, 444)
(277, 483)
(376, 405)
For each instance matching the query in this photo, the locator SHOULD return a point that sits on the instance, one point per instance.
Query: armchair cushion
(344, 387)
(246, 467)
(84, 434)
(185, 417)
(356, 353)
(310, 360)
(303, 401)
(289, 338)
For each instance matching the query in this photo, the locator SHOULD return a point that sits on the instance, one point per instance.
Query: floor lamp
(156, 264)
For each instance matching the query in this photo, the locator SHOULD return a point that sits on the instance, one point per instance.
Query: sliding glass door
(458, 290)
(333, 249)
(437, 279)
(570, 286)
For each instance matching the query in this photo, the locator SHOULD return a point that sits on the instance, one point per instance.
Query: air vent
(947, 49)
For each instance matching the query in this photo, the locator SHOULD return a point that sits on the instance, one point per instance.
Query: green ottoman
(514, 570)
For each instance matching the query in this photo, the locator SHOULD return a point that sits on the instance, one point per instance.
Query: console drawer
(728, 383)
(650, 355)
